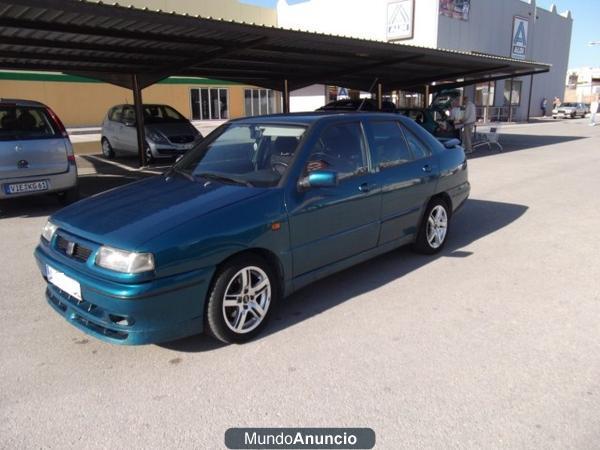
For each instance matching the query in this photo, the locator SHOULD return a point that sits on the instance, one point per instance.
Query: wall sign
(400, 20)
(457, 9)
(518, 49)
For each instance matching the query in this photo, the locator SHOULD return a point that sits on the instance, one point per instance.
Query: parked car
(168, 133)
(259, 209)
(366, 104)
(569, 110)
(36, 155)
(436, 117)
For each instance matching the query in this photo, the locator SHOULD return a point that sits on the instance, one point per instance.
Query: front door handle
(427, 168)
(364, 187)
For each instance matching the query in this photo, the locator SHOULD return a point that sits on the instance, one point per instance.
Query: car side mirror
(451, 143)
(319, 179)
(129, 123)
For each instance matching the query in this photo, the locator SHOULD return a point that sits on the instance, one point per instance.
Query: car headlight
(155, 136)
(48, 231)
(124, 261)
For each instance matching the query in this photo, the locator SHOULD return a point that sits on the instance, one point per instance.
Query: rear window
(23, 122)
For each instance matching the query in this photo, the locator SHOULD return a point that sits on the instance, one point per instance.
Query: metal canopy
(112, 43)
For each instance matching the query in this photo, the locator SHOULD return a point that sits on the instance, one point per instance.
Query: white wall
(308, 98)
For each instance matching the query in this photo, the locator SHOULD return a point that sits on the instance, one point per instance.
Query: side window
(115, 114)
(419, 149)
(389, 146)
(128, 114)
(340, 148)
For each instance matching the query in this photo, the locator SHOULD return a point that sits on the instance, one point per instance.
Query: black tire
(215, 321)
(107, 150)
(422, 243)
(69, 196)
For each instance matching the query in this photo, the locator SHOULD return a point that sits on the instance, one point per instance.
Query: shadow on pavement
(477, 219)
(518, 142)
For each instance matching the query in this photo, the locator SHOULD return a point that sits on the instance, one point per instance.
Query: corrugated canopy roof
(111, 42)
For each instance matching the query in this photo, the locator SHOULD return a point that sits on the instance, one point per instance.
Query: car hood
(173, 128)
(131, 215)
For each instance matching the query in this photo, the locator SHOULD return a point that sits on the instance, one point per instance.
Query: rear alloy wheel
(434, 228)
(107, 150)
(240, 299)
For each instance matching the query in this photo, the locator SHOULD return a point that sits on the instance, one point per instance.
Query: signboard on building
(518, 46)
(400, 20)
(457, 9)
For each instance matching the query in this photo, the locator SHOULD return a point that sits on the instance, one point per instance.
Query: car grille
(181, 139)
(79, 252)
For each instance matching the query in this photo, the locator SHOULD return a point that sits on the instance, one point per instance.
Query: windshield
(161, 114)
(246, 154)
(569, 105)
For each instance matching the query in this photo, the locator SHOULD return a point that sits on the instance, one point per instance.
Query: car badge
(70, 248)
(22, 164)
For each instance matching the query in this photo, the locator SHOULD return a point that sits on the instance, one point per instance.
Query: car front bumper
(169, 150)
(160, 310)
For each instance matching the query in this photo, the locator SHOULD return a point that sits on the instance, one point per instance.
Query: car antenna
(370, 91)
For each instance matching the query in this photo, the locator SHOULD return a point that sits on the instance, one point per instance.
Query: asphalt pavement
(495, 343)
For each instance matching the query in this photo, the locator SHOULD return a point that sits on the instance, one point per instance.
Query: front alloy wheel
(240, 299)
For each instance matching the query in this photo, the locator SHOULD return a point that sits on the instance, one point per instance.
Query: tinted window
(390, 147)
(418, 148)
(339, 148)
(21, 122)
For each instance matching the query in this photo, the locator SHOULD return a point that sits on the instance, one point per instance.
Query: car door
(407, 172)
(127, 130)
(330, 224)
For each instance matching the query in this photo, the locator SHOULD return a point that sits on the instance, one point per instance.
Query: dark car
(366, 104)
(259, 209)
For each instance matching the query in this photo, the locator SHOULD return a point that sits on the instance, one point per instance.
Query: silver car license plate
(30, 186)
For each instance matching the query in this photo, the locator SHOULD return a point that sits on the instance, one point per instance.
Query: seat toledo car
(36, 155)
(168, 133)
(262, 207)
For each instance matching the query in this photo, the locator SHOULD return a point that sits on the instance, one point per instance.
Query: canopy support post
(139, 119)
(426, 97)
(286, 97)
(379, 97)
(510, 100)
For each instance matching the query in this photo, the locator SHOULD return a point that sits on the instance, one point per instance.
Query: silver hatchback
(168, 133)
(36, 155)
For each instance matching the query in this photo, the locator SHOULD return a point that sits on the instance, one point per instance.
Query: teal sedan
(259, 209)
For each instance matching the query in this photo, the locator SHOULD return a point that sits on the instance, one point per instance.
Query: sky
(586, 27)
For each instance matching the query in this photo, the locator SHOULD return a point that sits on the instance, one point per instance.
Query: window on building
(258, 102)
(514, 86)
(210, 104)
(484, 93)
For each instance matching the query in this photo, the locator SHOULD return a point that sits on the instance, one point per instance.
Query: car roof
(21, 102)
(311, 117)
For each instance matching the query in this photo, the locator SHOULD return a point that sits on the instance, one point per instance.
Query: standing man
(544, 105)
(556, 103)
(469, 119)
(594, 109)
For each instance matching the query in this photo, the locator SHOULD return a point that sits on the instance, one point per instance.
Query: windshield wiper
(224, 178)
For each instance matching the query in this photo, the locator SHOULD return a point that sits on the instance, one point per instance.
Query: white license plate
(63, 282)
(31, 186)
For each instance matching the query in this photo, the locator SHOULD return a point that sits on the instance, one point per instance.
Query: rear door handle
(427, 168)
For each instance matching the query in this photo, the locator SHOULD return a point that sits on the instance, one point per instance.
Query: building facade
(511, 28)
(487, 26)
(582, 85)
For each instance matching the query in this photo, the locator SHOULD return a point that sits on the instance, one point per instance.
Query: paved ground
(493, 344)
